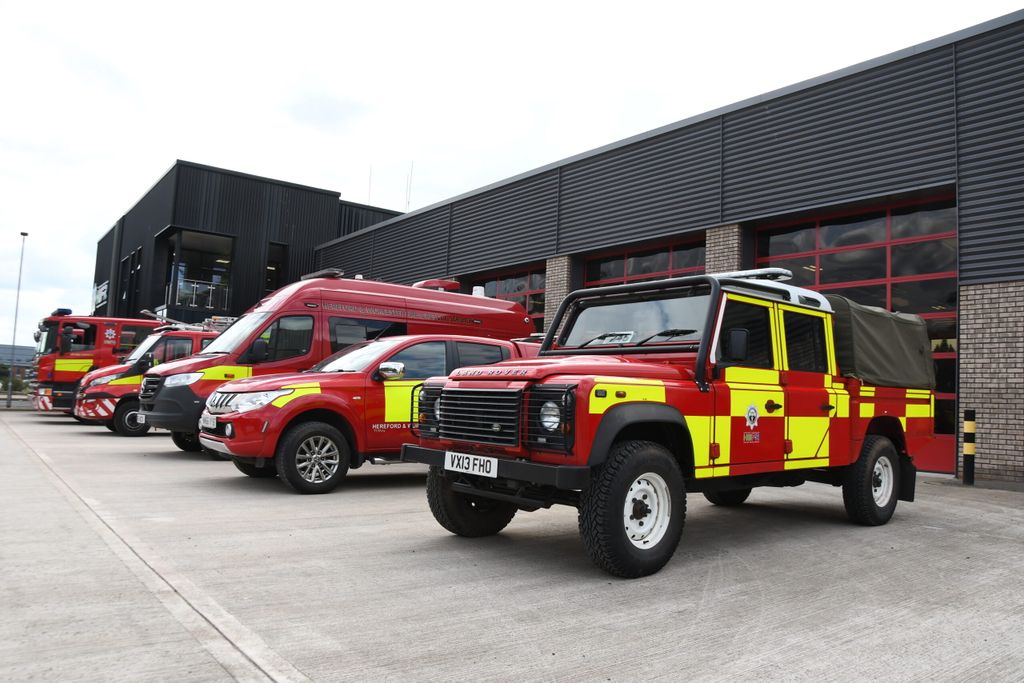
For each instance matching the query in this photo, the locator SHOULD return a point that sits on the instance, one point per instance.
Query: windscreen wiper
(599, 337)
(670, 332)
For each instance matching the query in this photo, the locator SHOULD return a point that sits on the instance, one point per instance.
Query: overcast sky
(98, 99)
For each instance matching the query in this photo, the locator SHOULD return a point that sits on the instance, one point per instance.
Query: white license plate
(140, 418)
(207, 421)
(471, 464)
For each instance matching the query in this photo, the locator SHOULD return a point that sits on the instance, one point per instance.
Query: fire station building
(898, 182)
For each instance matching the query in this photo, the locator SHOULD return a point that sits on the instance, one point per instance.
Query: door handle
(827, 407)
(771, 406)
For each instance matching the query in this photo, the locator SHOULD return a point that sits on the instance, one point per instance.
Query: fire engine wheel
(632, 514)
(463, 515)
(266, 472)
(870, 485)
(728, 498)
(313, 457)
(126, 420)
(187, 441)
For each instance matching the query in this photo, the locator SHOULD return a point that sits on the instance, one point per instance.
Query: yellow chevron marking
(298, 390)
(226, 372)
(123, 381)
(632, 393)
(72, 364)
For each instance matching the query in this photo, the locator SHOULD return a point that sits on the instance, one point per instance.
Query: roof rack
(333, 273)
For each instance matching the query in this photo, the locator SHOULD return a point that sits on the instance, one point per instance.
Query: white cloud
(99, 99)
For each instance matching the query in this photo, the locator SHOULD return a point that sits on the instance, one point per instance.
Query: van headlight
(102, 380)
(246, 402)
(550, 416)
(184, 379)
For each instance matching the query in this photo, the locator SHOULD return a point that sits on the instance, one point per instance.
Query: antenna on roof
(369, 184)
(408, 186)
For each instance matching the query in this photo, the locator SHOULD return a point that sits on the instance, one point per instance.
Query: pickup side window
(290, 336)
(480, 354)
(422, 360)
(805, 342)
(756, 320)
(347, 331)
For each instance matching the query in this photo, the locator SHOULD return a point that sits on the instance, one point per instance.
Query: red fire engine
(300, 324)
(69, 346)
(355, 406)
(643, 392)
(110, 395)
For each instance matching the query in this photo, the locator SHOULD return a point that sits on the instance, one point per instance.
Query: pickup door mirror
(736, 350)
(388, 371)
(259, 351)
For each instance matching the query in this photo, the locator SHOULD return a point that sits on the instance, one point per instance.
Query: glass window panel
(288, 337)
(927, 296)
(847, 266)
(803, 270)
(945, 375)
(786, 240)
(930, 219)
(478, 354)
(603, 269)
(690, 256)
(754, 319)
(945, 416)
(535, 304)
(922, 258)
(490, 288)
(346, 331)
(805, 342)
(942, 332)
(645, 264)
(844, 232)
(869, 295)
(422, 360)
(512, 284)
(537, 280)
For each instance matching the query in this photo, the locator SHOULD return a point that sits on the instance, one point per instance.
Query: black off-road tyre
(110, 425)
(728, 498)
(187, 441)
(126, 421)
(469, 516)
(296, 460)
(645, 474)
(266, 472)
(871, 484)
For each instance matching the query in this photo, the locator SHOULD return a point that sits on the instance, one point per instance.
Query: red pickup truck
(310, 428)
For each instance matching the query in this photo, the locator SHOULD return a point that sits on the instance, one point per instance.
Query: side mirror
(259, 351)
(737, 350)
(67, 339)
(387, 371)
(146, 362)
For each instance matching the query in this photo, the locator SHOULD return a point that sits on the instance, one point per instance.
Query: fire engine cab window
(83, 336)
(422, 360)
(805, 342)
(346, 331)
(479, 354)
(755, 320)
(289, 337)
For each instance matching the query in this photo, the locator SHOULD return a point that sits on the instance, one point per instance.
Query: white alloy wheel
(647, 510)
(882, 481)
(316, 459)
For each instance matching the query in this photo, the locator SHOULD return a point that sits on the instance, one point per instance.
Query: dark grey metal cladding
(354, 217)
(152, 213)
(990, 126)
(353, 255)
(510, 225)
(657, 187)
(882, 130)
(412, 250)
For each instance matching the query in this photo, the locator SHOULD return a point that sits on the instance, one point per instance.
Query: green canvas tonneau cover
(881, 348)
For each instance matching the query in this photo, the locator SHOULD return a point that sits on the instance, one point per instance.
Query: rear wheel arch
(656, 422)
(889, 427)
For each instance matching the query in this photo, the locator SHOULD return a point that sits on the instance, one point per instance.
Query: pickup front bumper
(563, 477)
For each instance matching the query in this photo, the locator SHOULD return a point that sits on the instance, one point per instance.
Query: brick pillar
(724, 249)
(559, 280)
(991, 376)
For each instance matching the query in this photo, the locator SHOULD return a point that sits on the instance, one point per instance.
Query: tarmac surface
(127, 559)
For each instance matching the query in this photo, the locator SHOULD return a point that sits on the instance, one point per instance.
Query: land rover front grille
(149, 387)
(481, 415)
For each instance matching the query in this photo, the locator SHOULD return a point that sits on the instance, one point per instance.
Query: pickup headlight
(102, 380)
(246, 402)
(184, 379)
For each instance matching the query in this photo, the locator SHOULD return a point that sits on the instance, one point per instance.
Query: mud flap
(908, 480)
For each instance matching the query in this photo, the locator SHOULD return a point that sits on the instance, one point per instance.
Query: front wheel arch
(657, 422)
(332, 417)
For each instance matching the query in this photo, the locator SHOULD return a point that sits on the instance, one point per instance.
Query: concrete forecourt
(129, 559)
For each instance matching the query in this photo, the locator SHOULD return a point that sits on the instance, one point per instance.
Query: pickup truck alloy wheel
(126, 419)
(312, 457)
(632, 514)
(871, 483)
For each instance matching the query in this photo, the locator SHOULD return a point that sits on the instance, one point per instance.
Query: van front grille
(149, 387)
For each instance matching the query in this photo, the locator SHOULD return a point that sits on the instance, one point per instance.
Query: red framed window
(525, 287)
(900, 256)
(637, 264)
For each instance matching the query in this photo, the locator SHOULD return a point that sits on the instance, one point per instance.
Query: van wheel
(266, 472)
(871, 484)
(463, 515)
(632, 514)
(313, 457)
(727, 498)
(126, 420)
(110, 425)
(187, 441)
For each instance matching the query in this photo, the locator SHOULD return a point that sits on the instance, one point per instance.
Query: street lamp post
(14, 335)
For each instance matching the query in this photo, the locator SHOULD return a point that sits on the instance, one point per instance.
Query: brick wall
(724, 249)
(558, 281)
(991, 358)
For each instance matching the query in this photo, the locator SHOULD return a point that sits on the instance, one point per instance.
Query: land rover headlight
(184, 379)
(102, 380)
(550, 416)
(246, 402)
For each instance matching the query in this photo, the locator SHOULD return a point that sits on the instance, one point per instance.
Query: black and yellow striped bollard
(968, 462)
